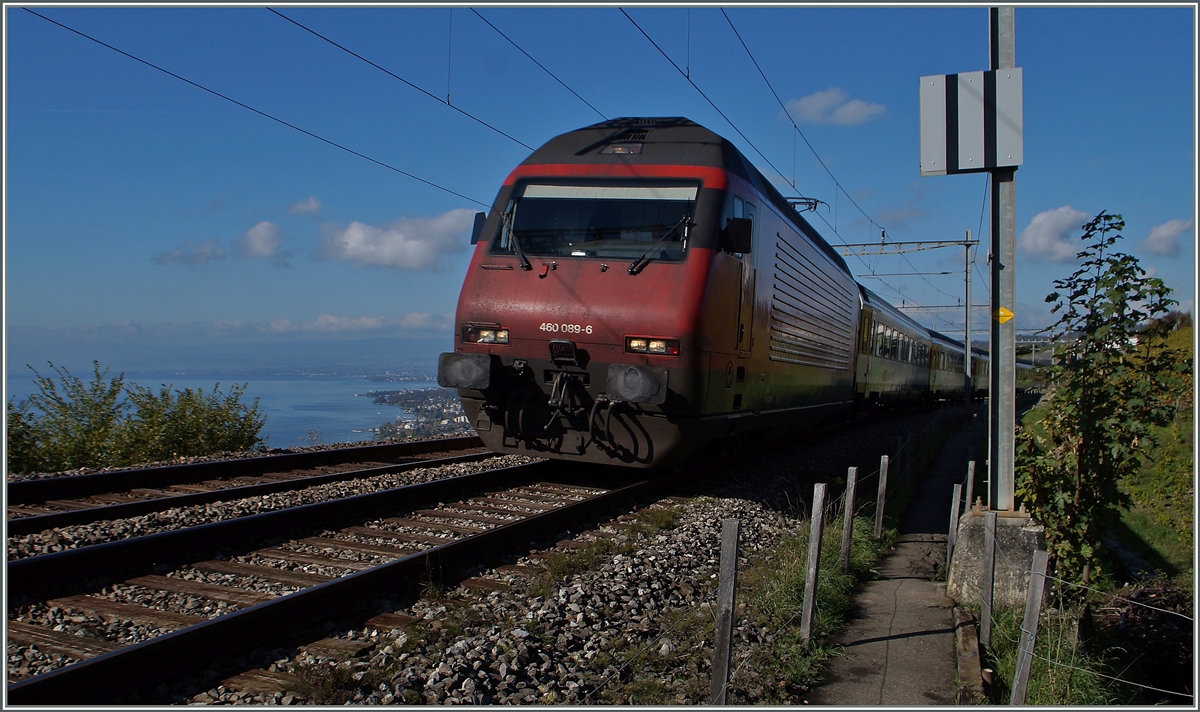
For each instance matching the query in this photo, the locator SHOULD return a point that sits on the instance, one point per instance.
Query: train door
(745, 328)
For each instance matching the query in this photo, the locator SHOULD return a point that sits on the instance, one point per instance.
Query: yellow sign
(1002, 315)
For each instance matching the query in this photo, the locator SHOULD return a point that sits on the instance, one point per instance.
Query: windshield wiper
(507, 217)
(685, 222)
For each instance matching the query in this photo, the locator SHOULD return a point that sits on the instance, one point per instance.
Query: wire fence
(709, 602)
(1009, 559)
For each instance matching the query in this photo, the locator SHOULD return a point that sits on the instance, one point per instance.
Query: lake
(293, 404)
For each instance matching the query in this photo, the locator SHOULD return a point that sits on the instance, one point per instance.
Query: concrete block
(1017, 537)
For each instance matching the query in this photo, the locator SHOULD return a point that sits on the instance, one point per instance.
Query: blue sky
(146, 218)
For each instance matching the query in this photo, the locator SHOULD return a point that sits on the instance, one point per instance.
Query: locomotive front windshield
(611, 221)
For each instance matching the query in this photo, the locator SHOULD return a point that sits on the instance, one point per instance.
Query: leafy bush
(70, 424)
(166, 425)
(1111, 384)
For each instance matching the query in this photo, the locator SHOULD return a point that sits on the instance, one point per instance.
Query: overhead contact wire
(539, 64)
(257, 111)
(393, 75)
(700, 91)
(793, 122)
(735, 128)
(788, 114)
(837, 183)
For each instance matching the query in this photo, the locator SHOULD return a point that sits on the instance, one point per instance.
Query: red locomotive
(639, 289)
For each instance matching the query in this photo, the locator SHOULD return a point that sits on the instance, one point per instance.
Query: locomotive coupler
(560, 395)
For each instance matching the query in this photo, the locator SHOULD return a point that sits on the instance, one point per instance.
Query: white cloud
(408, 243)
(305, 207)
(1047, 233)
(261, 241)
(1164, 239)
(192, 253)
(831, 107)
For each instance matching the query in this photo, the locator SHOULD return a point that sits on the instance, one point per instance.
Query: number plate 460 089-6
(554, 328)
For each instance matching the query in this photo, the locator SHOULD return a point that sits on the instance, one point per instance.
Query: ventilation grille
(632, 135)
(563, 352)
(812, 316)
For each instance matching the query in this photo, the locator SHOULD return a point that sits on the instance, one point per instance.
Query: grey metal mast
(1002, 380)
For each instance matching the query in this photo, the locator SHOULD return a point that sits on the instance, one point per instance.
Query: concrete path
(899, 648)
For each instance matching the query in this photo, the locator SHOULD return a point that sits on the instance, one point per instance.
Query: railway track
(266, 574)
(41, 504)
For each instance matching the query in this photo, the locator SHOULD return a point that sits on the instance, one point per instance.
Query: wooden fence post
(816, 530)
(881, 496)
(726, 587)
(848, 516)
(952, 537)
(989, 575)
(1033, 609)
(970, 484)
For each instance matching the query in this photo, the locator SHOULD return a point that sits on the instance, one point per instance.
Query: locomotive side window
(609, 221)
(749, 215)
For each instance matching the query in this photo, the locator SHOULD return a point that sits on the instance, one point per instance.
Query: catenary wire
(987, 184)
(814, 151)
(257, 111)
(393, 75)
(794, 126)
(539, 64)
(700, 91)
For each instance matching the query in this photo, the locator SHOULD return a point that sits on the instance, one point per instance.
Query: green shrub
(187, 422)
(70, 424)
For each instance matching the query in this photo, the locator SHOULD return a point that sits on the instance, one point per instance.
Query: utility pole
(1002, 379)
(967, 338)
(973, 122)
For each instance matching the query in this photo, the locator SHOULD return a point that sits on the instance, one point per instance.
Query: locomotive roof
(672, 141)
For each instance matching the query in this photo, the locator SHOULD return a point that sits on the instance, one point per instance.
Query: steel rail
(40, 490)
(42, 522)
(163, 658)
(50, 571)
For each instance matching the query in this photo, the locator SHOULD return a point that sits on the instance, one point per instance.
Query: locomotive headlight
(645, 345)
(480, 335)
